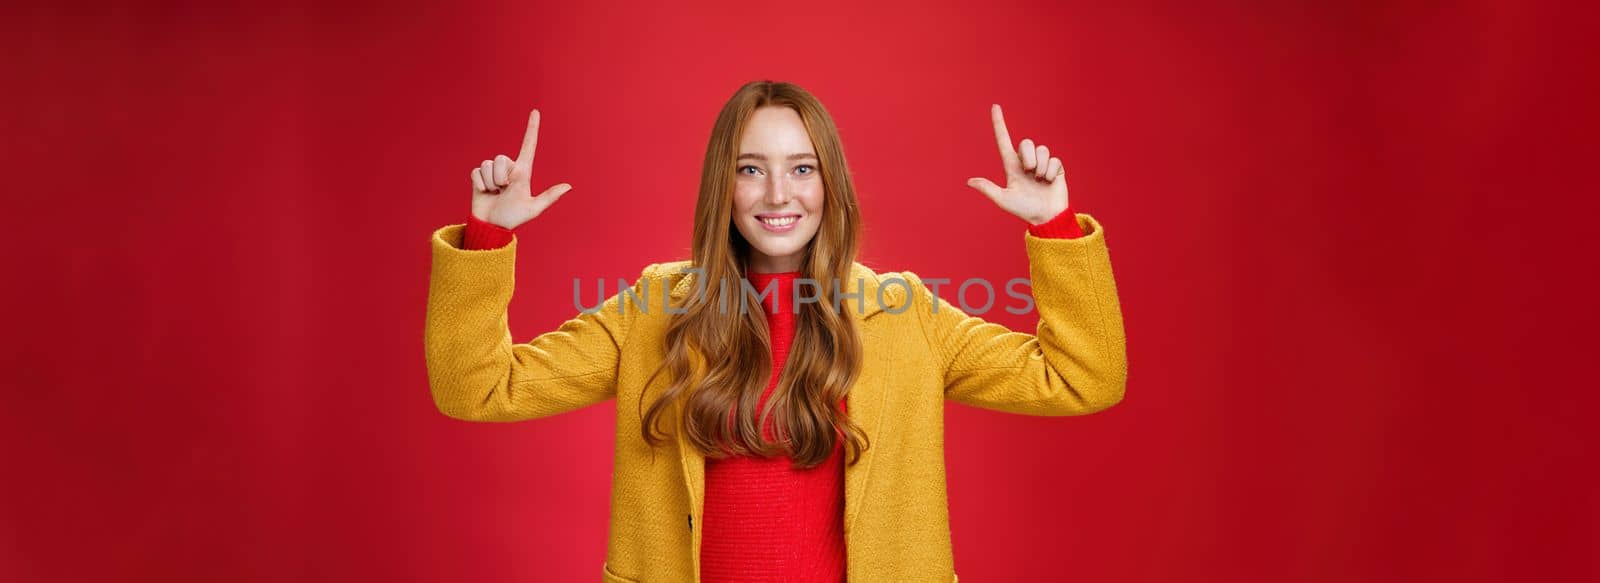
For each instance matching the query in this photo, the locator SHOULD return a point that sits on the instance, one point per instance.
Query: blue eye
(741, 168)
(810, 169)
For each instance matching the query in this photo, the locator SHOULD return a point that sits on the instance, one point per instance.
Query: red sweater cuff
(1062, 226)
(482, 235)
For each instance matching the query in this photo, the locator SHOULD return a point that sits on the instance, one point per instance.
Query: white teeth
(780, 222)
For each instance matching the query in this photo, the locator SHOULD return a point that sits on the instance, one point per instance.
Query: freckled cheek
(812, 200)
(745, 197)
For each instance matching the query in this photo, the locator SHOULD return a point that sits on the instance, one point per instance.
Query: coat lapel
(865, 405)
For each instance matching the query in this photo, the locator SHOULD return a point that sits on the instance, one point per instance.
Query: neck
(762, 263)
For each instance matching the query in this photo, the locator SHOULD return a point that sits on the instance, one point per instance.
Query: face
(778, 192)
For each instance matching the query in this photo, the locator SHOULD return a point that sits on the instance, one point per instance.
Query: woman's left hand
(1036, 184)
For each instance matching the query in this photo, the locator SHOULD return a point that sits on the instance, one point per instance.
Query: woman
(761, 436)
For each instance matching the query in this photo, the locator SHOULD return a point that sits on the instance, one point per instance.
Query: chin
(779, 250)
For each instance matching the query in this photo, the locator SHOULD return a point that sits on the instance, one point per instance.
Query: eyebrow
(763, 157)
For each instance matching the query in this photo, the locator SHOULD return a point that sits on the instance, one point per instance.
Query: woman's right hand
(502, 192)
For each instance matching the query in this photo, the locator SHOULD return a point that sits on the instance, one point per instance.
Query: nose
(778, 192)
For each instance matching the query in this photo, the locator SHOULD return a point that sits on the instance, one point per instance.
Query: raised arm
(475, 371)
(1075, 362)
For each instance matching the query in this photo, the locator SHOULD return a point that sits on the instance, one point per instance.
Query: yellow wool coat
(916, 357)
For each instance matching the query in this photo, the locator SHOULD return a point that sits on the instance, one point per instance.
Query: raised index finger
(529, 140)
(1008, 153)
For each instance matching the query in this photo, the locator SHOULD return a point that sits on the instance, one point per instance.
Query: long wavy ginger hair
(719, 360)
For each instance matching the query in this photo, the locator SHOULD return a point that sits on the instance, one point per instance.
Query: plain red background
(1348, 238)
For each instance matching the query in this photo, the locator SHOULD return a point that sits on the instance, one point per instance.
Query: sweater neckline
(776, 303)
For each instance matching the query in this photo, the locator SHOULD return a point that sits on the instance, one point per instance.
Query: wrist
(1045, 217)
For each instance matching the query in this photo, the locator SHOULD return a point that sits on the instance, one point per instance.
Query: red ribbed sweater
(765, 520)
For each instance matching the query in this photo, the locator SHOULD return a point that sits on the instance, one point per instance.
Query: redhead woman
(780, 406)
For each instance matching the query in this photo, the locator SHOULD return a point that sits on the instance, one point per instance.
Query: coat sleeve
(476, 372)
(1076, 361)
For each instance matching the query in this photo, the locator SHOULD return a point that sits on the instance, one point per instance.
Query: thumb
(988, 189)
(554, 192)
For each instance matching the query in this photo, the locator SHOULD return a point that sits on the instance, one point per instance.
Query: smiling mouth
(778, 220)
